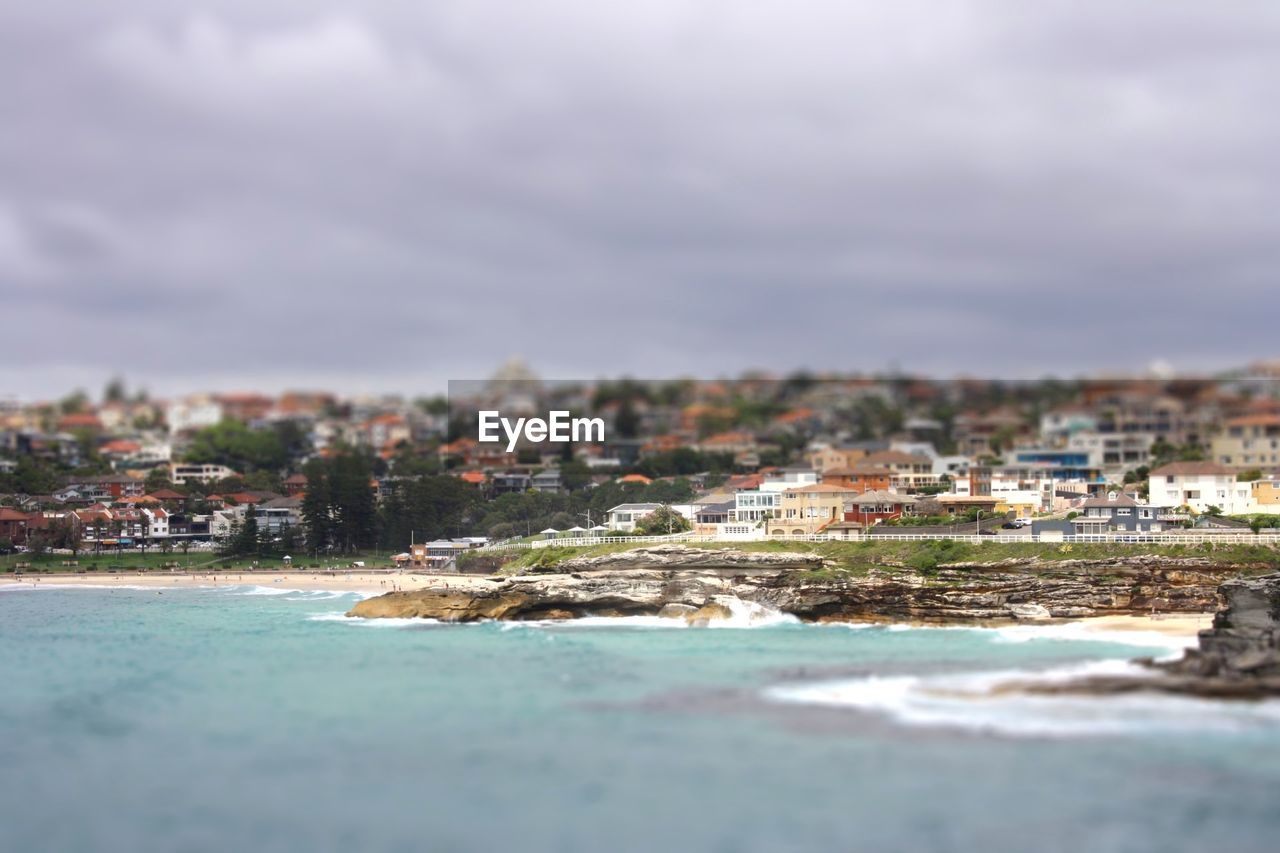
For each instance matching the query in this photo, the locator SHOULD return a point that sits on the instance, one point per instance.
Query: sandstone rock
(676, 611)
(1029, 611)
(1245, 637)
(1238, 658)
(708, 613)
(676, 580)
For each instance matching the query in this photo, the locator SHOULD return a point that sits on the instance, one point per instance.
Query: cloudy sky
(289, 193)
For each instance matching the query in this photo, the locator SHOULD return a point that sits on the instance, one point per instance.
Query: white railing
(1190, 538)
(580, 541)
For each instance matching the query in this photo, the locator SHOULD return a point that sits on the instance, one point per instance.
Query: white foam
(294, 594)
(967, 702)
(395, 622)
(743, 614)
(27, 587)
(750, 614)
(1086, 632)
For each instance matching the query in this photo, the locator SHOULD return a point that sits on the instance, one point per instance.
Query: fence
(1189, 538)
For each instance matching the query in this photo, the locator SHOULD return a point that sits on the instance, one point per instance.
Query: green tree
(233, 444)
(662, 521)
(574, 474)
(157, 479)
(316, 507)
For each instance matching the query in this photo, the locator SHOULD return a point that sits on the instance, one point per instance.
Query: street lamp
(977, 524)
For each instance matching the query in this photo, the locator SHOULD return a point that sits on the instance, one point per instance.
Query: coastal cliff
(1237, 658)
(670, 580)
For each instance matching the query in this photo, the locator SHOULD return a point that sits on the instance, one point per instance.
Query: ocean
(261, 719)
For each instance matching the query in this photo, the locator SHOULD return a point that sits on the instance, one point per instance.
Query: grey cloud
(385, 196)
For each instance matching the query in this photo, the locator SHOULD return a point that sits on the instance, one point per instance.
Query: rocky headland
(681, 581)
(1237, 658)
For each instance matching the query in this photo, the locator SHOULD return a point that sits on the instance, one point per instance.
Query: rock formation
(676, 581)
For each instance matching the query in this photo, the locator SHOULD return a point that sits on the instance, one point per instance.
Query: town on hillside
(314, 475)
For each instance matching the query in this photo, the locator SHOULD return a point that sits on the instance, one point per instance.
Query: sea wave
(743, 614)
(974, 702)
(27, 587)
(1074, 632)
(344, 619)
(1085, 632)
(294, 594)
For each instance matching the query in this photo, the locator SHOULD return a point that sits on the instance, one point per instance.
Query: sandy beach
(354, 581)
(1186, 625)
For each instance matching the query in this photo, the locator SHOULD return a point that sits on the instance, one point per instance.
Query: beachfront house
(624, 517)
(1199, 485)
(1116, 512)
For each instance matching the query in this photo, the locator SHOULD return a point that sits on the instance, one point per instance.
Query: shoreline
(1177, 625)
(346, 581)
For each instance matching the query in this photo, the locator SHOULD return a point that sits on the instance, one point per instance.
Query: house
(295, 485)
(157, 522)
(181, 474)
(860, 477)
(828, 457)
(474, 478)
(547, 482)
(108, 487)
(755, 505)
(1199, 485)
(86, 421)
(1252, 441)
(874, 507)
(623, 517)
(911, 471)
(13, 525)
(385, 431)
(1265, 495)
(509, 482)
(808, 509)
(167, 496)
(441, 553)
(1116, 512)
(987, 504)
(192, 413)
(278, 514)
(728, 442)
(791, 477)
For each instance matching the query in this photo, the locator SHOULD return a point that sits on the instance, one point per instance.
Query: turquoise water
(203, 720)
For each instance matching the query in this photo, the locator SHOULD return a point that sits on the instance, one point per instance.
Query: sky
(385, 195)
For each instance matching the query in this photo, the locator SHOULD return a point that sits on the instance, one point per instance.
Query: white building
(1199, 485)
(755, 505)
(788, 478)
(180, 474)
(623, 517)
(194, 412)
(157, 522)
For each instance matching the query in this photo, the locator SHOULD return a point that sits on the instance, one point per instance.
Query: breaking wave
(974, 702)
